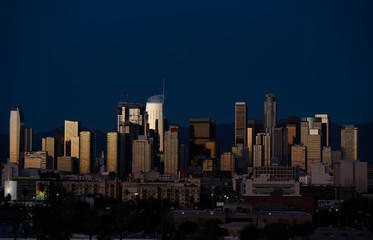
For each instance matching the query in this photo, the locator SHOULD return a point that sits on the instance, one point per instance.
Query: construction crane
(132, 94)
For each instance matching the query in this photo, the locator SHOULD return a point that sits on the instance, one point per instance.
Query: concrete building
(262, 150)
(29, 134)
(277, 172)
(112, 153)
(172, 151)
(87, 152)
(16, 136)
(313, 148)
(227, 162)
(351, 173)
(349, 142)
(142, 156)
(265, 186)
(36, 160)
(72, 129)
(200, 131)
(49, 146)
(320, 174)
(241, 154)
(299, 157)
(154, 109)
(240, 128)
(280, 139)
(325, 128)
(308, 123)
(270, 113)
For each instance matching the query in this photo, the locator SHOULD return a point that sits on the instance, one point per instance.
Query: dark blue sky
(69, 59)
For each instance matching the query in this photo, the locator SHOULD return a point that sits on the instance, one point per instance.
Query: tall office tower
(133, 113)
(349, 142)
(262, 150)
(241, 154)
(184, 156)
(36, 160)
(16, 135)
(325, 128)
(280, 139)
(327, 156)
(72, 129)
(154, 108)
(142, 155)
(87, 152)
(227, 162)
(128, 132)
(60, 142)
(313, 148)
(208, 165)
(67, 164)
(112, 153)
(200, 131)
(75, 146)
(299, 157)
(253, 128)
(270, 113)
(28, 139)
(308, 123)
(240, 123)
(211, 148)
(172, 151)
(49, 146)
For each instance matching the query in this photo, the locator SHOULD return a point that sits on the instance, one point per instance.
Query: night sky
(69, 59)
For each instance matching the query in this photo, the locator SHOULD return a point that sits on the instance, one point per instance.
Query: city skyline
(315, 57)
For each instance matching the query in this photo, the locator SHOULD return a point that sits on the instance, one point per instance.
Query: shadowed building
(314, 148)
(67, 164)
(227, 162)
(253, 128)
(299, 156)
(172, 151)
(262, 150)
(325, 128)
(240, 131)
(241, 154)
(280, 139)
(133, 113)
(49, 146)
(87, 152)
(16, 135)
(200, 131)
(28, 139)
(349, 142)
(270, 112)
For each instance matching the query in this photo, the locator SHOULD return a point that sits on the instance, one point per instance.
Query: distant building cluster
(145, 158)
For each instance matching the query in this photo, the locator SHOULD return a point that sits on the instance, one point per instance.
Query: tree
(276, 231)
(17, 215)
(250, 232)
(212, 231)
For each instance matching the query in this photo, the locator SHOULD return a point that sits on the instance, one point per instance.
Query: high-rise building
(351, 173)
(142, 155)
(227, 162)
(262, 150)
(325, 128)
(308, 123)
(280, 139)
(154, 108)
(241, 154)
(87, 152)
(314, 148)
(299, 156)
(49, 146)
(172, 151)
(75, 146)
(349, 142)
(128, 132)
(28, 139)
(327, 156)
(200, 132)
(16, 135)
(253, 128)
(134, 113)
(112, 154)
(60, 142)
(67, 164)
(270, 113)
(240, 124)
(72, 129)
(36, 160)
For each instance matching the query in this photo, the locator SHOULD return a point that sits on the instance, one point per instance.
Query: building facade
(87, 152)
(240, 124)
(16, 135)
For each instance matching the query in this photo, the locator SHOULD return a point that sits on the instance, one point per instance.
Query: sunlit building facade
(36, 160)
(112, 153)
(172, 151)
(240, 123)
(72, 129)
(87, 152)
(16, 135)
(349, 142)
(154, 109)
(141, 156)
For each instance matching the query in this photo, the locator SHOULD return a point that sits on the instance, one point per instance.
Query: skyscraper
(16, 135)
(200, 131)
(253, 128)
(141, 156)
(112, 153)
(299, 156)
(240, 131)
(270, 113)
(28, 139)
(72, 129)
(308, 123)
(133, 113)
(227, 162)
(172, 151)
(349, 142)
(314, 148)
(49, 146)
(325, 128)
(154, 108)
(280, 139)
(87, 152)
(262, 150)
